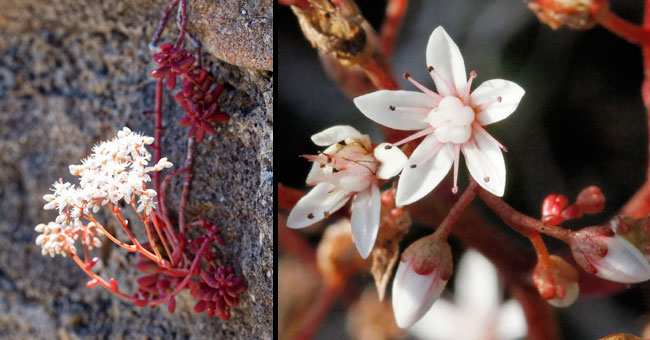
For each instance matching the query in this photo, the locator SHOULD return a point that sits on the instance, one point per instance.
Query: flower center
(452, 120)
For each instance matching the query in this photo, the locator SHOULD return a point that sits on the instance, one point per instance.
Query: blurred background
(582, 122)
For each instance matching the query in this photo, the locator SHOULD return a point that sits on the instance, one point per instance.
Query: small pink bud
(557, 282)
(422, 275)
(552, 208)
(92, 283)
(601, 252)
(591, 200)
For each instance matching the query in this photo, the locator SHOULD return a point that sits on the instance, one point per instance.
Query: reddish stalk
(186, 186)
(101, 281)
(329, 292)
(129, 247)
(157, 134)
(162, 23)
(456, 211)
(395, 11)
(634, 34)
(521, 223)
(379, 74)
(183, 13)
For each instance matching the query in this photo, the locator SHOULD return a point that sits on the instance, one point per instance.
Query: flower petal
(484, 160)
(336, 134)
(623, 262)
(391, 159)
(415, 183)
(442, 321)
(316, 174)
(488, 92)
(511, 322)
(414, 294)
(323, 198)
(571, 295)
(446, 59)
(366, 207)
(477, 284)
(377, 106)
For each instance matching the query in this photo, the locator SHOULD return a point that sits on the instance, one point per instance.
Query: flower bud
(576, 14)
(591, 200)
(603, 253)
(552, 208)
(422, 275)
(557, 282)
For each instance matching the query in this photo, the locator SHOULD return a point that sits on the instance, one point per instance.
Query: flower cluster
(115, 170)
(199, 93)
(55, 239)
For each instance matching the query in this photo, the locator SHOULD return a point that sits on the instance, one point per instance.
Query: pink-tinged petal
(322, 200)
(414, 294)
(316, 174)
(366, 207)
(491, 108)
(335, 134)
(442, 321)
(571, 295)
(623, 262)
(447, 61)
(427, 166)
(511, 323)
(477, 284)
(391, 159)
(379, 105)
(485, 162)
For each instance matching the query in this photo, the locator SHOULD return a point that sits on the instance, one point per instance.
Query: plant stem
(162, 23)
(521, 223)
(632, 33)
(456, 211)
(101, 281)
(395, 10)
(186, 185)
(157, 135)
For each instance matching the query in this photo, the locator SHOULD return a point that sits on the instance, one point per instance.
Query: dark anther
(413, 166)
(499, 99)
(392, 108)
(430, 68)
(388, 147)
(310, 216)
(326, 214)
(407, 76)
(335, 170)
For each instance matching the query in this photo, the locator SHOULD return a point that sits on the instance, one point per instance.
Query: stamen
(454, 189)
(392, 108)
(424, 110)
(422, 88)
(487, 135)
(472, 76)
(310, 216)
(416, 135)
(486, 105)
(429, 156)
(433, 72)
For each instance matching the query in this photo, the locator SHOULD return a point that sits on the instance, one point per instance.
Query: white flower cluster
(115, 170)
(55, 239)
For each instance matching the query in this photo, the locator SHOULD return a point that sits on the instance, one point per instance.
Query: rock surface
(74, 72)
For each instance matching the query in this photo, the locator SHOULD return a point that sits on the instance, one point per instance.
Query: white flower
(342, 172)
(477, 312)
(622, 263)
(452, 121)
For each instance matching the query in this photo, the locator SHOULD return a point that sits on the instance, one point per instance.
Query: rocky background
(74, 72)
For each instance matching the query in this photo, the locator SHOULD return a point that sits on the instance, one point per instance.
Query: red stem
(634, 34)
(456, 211)
(183, 9)
(319, 310)
(101, 281)
(162, 23)
(395, 10)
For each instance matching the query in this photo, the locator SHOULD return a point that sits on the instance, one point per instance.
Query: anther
(310, 216)
(413, 166)
(499, 99)
(335, 170)
(486, 179)
(326, 214)
(430, 68)
(392, 108)
(407, 76)
(388, 147)
(454, 190)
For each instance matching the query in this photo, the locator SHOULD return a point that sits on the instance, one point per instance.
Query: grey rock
(73, 73)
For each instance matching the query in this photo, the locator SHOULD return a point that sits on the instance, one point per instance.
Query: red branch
(395, 10)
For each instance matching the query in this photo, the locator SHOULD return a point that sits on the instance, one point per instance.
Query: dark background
(581, 122)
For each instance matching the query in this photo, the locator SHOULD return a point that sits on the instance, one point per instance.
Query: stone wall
(74, 72)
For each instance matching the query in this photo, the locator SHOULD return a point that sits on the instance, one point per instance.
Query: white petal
(376, 106)
(512, 322)
(572, 292)
(623, 262)
(322, 198)
(366, 208)
(415, 183)
(446, 59)
(442, 321)
(477, 284)
(488, 92)
(486, 161)
(335, 134)
(414, 294)
(315, 174)
(391, 159)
